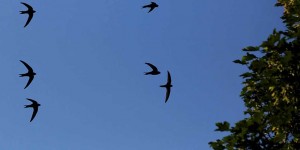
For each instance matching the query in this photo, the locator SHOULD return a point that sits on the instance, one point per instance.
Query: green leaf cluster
(271, 91)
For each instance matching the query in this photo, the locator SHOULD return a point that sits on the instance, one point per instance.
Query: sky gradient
(89, 58)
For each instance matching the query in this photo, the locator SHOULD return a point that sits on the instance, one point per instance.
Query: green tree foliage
(271, 91)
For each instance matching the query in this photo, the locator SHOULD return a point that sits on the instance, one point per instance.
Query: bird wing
(29, 81)
(152, 66)
(28, 6)
(35, 110)
(167, 93)
(145, 6)
(169, 78)
(151, 8)
(27, 66)
(33, 101)
(30, 15)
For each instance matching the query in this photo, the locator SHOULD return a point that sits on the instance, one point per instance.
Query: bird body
(151, 6)
(30, 74)
(35, 105)
(154, 70)
(30, 13)
(168, 86)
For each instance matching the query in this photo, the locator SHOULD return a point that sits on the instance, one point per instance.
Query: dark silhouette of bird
(30, 74)
(151, 6)
(168, 86)
(35, 105)
(30, 13)
(154, 70)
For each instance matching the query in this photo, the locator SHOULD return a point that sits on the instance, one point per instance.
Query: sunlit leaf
(248, 57)
(251, 48)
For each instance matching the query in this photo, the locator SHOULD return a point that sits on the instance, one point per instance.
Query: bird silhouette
(154, 70)
(168, 86)
(35, 105)
(30, 74)
(151, 6)
(30, 13)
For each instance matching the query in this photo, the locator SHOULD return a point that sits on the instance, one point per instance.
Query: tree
(271, 91)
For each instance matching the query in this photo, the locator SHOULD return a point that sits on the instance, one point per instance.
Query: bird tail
(146, 73)
(22, 75)
(26, 106)
(22, 12)
(163, 86)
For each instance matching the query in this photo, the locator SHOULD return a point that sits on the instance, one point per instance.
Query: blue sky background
(89, 58)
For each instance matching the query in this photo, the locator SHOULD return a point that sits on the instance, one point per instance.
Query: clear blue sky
(89, 58)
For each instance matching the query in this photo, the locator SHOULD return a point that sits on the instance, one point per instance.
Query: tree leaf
(240, 62)
(251, 48)
(246, 75)
(222, 126)
(248, 57)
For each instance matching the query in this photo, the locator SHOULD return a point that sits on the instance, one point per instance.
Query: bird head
(153, 3)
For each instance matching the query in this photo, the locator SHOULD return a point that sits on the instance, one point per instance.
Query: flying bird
(35, 105)
(30, 13)
(168, 86)
(154, 70)
(30, 74)
(151, 6)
